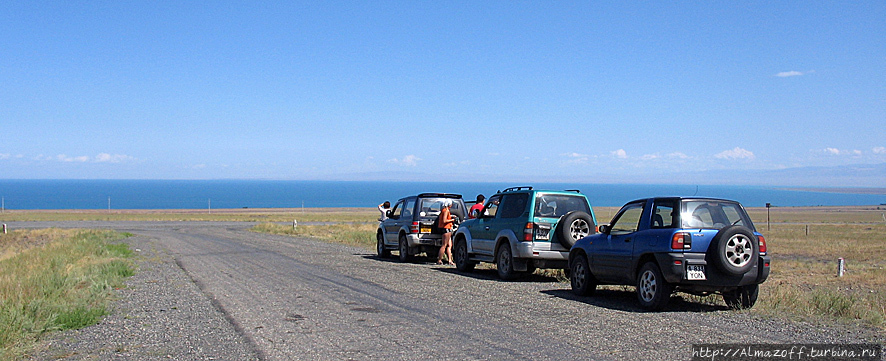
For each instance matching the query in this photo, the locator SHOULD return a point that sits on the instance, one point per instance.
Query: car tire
(505, 262)
(574, 226)
(461, 256)
(380, 246)
(742, 298)
(653, 291)
(734, 250)
(403, 246)
(582, 281)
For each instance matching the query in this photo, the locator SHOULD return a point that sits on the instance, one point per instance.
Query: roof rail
(573, 190)
(512, 189)
(442, 195)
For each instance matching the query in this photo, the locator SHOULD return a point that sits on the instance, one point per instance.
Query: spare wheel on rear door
(574, 226)
(734, 250)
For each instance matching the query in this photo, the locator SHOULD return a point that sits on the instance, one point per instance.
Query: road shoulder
(160, 314)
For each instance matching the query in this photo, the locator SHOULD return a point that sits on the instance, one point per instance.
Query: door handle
(487, 228)
(627, 240)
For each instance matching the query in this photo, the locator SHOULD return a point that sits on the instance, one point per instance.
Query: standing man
(475, 210)
(383, 208)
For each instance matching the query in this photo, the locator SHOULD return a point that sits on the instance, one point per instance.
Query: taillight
(527, 231)
(681, 241)
(762, 242)
(414, 228)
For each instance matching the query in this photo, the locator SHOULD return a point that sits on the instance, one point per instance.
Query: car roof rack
(514, 189)
(442, 195)
(573, 190)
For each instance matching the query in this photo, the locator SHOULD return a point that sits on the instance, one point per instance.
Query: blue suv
(661, 245)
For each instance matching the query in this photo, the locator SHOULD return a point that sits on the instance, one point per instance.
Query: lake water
(203, 194)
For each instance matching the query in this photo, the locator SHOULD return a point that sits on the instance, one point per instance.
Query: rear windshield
(713, 214)
(430, 207)
(557, 205)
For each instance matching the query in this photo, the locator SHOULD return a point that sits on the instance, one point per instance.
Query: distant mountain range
(870, 176)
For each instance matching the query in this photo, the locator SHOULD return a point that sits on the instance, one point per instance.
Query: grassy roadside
(194, 215)
(54, 279)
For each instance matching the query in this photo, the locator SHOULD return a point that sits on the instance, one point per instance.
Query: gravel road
(215, 291)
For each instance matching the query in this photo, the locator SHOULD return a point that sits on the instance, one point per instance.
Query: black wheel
(461, 256)
(505, 262)
(652, 289)
(380, 246)
(574, 226)
(743, 297)
(583, 282)
(734, 250)
(404, 249)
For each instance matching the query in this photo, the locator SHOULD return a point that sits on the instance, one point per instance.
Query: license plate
(425, 230)
(695, 273)
(543, 233)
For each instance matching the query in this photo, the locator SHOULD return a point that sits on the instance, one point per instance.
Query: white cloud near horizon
(576, 157)
(836, 151)
(735, 153)
(621, 154)
(679, 155)
(100, 158)
(879, 150)
(409, 160)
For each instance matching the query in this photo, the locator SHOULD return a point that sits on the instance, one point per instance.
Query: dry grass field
(805, 244)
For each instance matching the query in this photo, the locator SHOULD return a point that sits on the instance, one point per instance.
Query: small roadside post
(768, 227)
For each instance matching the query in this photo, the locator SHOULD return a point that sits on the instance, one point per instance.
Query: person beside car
(475, 210)
(384, 208)
(445, 223)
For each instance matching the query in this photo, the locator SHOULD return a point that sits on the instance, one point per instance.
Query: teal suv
(521, 229)
(661, 245)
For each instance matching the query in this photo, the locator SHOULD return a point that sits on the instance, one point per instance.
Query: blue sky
(674, 92)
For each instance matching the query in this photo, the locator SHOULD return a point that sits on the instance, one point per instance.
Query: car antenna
(696, 191)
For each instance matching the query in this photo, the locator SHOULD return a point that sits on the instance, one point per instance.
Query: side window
(629, 219)
(492, 207)
(663, 214)
(513, 205)
(407, 209)
(398, 210)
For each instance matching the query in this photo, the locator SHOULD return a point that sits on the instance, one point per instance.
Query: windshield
(430, 207)
(713, 214)
(557, 205)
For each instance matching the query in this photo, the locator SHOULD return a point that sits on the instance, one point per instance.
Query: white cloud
(5, 155)
(735, 153)
(835, 151)
(576, 157)
(112, 158)
(650, 156)
(409, 160)
(678, 155)
(619, 153)
(786, 74)
(65, 158)
(100, 158)
(879, 150)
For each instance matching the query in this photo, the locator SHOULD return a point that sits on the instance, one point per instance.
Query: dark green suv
(521, 229)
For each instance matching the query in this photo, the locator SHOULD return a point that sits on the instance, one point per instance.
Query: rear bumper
(424, 239)
(673, 268)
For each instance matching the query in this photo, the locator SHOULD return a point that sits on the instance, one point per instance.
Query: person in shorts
(446, 224)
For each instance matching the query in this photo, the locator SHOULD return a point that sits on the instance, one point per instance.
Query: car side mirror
(605, 228)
